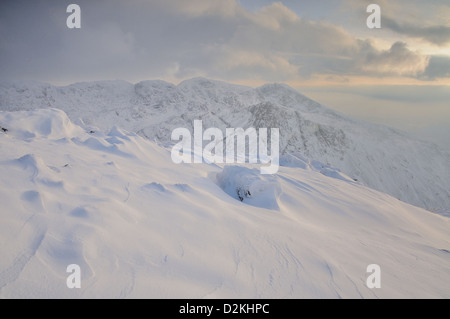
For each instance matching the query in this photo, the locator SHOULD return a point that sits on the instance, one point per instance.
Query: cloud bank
(178, 39)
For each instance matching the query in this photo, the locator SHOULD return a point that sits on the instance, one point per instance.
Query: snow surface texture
(379, 157)
(140, 226)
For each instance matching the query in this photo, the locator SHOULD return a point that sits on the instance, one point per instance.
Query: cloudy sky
(398, 75)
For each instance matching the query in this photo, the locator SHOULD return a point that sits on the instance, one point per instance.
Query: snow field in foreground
(140, 226)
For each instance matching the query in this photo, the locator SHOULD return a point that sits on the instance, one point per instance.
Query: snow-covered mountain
(382, 158)
(139, 225)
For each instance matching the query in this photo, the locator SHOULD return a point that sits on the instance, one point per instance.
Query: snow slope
(140, 226)
(379, 157)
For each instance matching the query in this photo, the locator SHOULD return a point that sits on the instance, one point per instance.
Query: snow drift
(249, 186)
(140, 226)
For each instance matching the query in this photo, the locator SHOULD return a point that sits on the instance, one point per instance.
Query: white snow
(382, 158)
(140, 226)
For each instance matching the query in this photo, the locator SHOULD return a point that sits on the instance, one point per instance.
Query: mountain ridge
(383, 158)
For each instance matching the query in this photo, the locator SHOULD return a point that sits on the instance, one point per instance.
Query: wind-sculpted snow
(140, 226)
(249, 186)
(379, 157)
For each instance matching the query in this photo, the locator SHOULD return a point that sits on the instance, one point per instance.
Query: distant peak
(278, 87)
(114, 85)
(208, 83)
(199, 81)
(161, 82)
